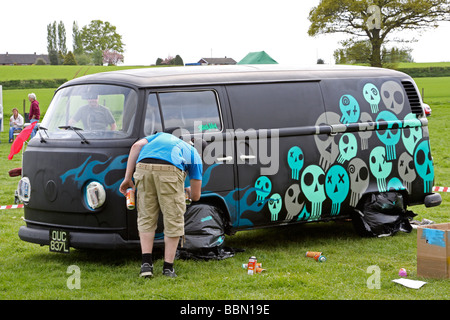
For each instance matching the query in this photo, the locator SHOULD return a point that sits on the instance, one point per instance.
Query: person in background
(94, 116)
(35, 112)
(161, 162)
(15, 124)
(1, 117)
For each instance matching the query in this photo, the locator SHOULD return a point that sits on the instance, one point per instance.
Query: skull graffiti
(275, 204)
(412, 132)
(312, 183)
(393, 96)
(391, 135)
(350, 109)
(379, 167)
(295, 160)
(365, 129)
(348, 147)
(395, 185)
(325, 143)
(337, 186)
(424, 165)
(263, 187)
(406, 170)
(292, 201)
(359, 179)
(372, 96)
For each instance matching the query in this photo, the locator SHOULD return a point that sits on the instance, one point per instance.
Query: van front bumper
(79, 240)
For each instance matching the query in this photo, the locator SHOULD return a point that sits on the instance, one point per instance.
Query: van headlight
(95, 195)
(24, 190)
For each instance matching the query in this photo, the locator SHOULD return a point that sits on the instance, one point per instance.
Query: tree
(62, 38)
(77, 40)
(52, 43)
(112, 57)
(360, 52)
(376, 20)
(69, 59)
(101, 36)
(56, 42)
(177, 61)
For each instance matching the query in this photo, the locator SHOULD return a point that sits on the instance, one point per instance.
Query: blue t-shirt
(165, 146)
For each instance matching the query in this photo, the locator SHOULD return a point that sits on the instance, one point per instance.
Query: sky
(193, 29)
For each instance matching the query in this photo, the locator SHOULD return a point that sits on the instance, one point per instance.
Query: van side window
(152, 117)
(275, 105)
(195, 111)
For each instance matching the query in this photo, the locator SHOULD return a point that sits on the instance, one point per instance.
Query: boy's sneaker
(146, 270)
(169, 273)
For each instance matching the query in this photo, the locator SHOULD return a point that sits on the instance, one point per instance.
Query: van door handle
(243, 157)
(227, 159)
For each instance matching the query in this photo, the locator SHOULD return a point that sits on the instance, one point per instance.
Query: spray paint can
(258, 265)
(130, 199)
(316, 255)
(312, 254)
(251, 268)
(320, 258)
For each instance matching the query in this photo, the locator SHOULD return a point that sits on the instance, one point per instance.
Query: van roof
(209, 75)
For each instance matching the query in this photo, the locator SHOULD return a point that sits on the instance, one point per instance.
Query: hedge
(426, 72)
(32, 84)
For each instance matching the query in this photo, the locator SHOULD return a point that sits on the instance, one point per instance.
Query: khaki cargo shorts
(160, 188)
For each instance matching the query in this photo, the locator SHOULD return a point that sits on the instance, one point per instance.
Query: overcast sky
(193, 29)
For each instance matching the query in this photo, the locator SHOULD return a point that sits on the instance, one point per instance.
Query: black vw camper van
(285, 145)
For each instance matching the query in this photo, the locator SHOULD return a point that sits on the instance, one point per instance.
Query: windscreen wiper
(40, 135)
(76, 129)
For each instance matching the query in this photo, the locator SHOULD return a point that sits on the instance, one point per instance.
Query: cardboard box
(433, 251)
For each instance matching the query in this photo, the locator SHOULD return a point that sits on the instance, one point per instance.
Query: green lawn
(53, 72)
(31, 272)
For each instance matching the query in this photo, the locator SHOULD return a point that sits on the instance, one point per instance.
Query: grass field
(31, 272)
(53, 72)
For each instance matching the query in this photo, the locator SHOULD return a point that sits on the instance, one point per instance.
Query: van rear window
(195, 111)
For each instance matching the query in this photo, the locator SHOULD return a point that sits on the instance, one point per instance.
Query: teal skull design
(348, 147)
(412, 132)
(295, 160)
(312, 182)
(275, 203)
(424, 165)
(337, 186)
(380, 167)
(350, 109)
(372, 96)
(263, 186)
(391, 135)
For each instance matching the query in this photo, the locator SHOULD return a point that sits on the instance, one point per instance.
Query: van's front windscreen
(94, 111)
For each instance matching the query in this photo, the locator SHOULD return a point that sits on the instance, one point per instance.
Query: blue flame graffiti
(86, 172)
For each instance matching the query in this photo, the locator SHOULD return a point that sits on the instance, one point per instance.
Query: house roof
(220, 61)
(9, 58)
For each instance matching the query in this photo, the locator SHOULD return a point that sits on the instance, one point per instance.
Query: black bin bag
(204, 234)
(382, 214)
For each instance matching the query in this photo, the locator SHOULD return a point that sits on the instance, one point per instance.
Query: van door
(200, 112)
(277, 160)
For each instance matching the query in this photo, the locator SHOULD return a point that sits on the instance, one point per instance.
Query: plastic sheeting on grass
(382, 214)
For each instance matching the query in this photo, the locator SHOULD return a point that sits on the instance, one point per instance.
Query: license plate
(59, 241)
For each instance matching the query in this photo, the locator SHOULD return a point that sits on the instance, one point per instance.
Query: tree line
(96, 43)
